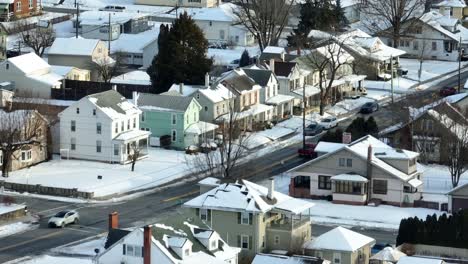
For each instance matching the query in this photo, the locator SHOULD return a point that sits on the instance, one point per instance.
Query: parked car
(447, 91)
(63, 218)
(369, 107)
(113, 8)
(313, 129)
(378, 247)
(234, 64)
(308, 151)
(329, 122)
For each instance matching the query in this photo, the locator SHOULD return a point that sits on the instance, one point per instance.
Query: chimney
(271, 189)
(181, 88)
(369, 171)
(207, 80)
(114, 87)
(135, 96)
(272, 65)
(113, 220)
(147, 237)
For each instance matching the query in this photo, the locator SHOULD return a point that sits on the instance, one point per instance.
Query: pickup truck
(308, 151)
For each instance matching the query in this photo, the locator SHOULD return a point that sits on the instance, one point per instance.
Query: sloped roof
(260, 76)
(114, 236)
(171, 102)
(29, 63)
(340, 239)
(238, 81)
(284, 69)
(281, 259)
(249, 197)
(112, 103)
(458, 188)
(73, 46)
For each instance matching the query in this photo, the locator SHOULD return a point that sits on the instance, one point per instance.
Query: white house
(137, 49)
(366, 170)
(102, 127)
(179, 241)
(30, 75)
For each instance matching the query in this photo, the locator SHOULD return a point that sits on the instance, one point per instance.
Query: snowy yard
(381, 217)
(46, 259)
(437, 179)
(6, 208)
(83, 248)
(14, 228)
(347, 105)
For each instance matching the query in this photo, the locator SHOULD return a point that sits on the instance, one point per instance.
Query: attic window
(7, 66)
(94, 112)
(77, 110)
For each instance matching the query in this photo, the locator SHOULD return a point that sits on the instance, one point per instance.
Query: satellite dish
(96, 250)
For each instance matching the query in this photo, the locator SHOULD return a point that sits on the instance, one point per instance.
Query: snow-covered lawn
(82, 248)
(381, 217)
(343, 107)
(437, 180)
(6, 208)
(46, 259)
(14, 228)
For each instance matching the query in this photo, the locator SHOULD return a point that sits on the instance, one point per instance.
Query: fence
(13, 214)
(75, 90)
(39, 189)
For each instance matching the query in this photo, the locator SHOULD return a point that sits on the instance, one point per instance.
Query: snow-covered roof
(223, 13)
(102, 17)
(210, 181)
(309, 91)
(459, 187)
(282, 259)
(436, 20)
(134, 43)
(133, 77)
(51, 79)
(325, 147)
(252, 111)
(418, 260)
(217, 93)
(61, 70)
(200, 127)
(132, 134)
(274, 50)
(415, 182)
(249, 197)
(457, 129)
(340, 239)
(451, 3)
(349, 177)
(389, 254)
(279, 99)
(113, 104)
(29, 63)
(73, 46)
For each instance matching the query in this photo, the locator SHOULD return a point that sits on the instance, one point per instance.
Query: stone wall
(39, 189)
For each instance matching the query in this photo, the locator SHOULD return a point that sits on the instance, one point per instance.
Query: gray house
(458, 198)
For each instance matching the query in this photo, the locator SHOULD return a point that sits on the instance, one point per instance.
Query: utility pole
(110, 36)
(303, 117)
(77, 23)
(391, 78)
(460, 51)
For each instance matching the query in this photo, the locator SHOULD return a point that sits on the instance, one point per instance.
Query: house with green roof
(177, 116)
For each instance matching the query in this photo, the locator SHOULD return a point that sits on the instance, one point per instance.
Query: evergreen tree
(333, 136)
(356, 128)
(340, 15)
(182, 55)
(370, 127)
(244, 59)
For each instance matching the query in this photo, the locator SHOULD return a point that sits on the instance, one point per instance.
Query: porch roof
(349, 177)
(200, 127)
(133, 134)
(279, 99)
(354, 78)
(252, 111)
(415, 182)
(309, 91)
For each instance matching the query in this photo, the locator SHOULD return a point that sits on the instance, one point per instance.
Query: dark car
(379, 247)
(447, 91)
(308, 151)
(369, 107)
(313, 129)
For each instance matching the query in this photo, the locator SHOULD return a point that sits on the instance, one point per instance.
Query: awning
(200, 128)
(415, 183)
(350, 178)
(279, 99)
(133, 134)
(309, 91)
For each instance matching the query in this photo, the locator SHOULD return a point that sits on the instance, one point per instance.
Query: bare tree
(387, 17)
(19, 129)
(135, 152)
(108, 67)
(265, 19)
(36, 36)
(329, 62)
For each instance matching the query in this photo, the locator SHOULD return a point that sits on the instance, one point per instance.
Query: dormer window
(187, 252)
(214, 244)
(245, 218)
(94, 112)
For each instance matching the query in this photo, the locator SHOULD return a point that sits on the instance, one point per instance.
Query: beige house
(180, 3)
(72, 73)
(341, 246)
(450, 8)
(255, 218)
(364, 171)
(80, 53)
(32, 153)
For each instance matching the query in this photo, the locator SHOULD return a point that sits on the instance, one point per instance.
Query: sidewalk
(18, 225)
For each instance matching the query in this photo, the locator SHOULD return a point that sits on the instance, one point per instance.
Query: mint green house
(175, 116)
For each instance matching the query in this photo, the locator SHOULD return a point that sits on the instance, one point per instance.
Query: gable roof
(238, 81)
(260, 76)
(114, 235)
(436, 20)
(73, 46)
(459, 188)
(249, 197)
(164, 102)
(340, 239)
(29, 63)
(112, 103)
(284, 69)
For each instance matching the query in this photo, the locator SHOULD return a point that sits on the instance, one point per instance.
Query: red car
(308, 151)
(447, 91)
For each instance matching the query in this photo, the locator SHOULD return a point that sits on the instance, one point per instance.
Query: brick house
(11, 9)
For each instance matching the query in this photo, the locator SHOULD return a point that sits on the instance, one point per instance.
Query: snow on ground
(14, 228)
(46, 259)
(83, 248)
(381, 217)
(89, 3)
(226, 56)
(343, 107)
(5, 208)
(437, 180)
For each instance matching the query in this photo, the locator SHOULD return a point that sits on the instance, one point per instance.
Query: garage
(458, 198)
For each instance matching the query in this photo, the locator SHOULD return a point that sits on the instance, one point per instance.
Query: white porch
(283, 106)
(125, 144)
(200, 132)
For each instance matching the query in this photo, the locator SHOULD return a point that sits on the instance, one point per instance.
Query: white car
(329, 122)
(63, 218)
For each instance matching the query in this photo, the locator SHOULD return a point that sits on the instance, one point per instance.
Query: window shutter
(124, 251)
(209, 215)
(250, 218)
(250, 242)
(239, 218)
(197, 212)
(142, 252)
(238, 241)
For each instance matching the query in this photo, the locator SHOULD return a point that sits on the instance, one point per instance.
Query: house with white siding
(103, 127)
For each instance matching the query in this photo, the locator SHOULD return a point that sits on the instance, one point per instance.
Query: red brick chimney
(113, 220)
(147, 244)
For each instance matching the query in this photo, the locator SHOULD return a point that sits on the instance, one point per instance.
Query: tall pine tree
(181, 57)
(244, 59)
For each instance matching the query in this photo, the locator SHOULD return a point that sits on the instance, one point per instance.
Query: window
(78, 110)
(133, 251)
(73, 144)
(245, 242)
(73, 125)
(98, 128)
(116, 127)
(128, 124)
(427, 125)
(302, 182)
(134, 122)
(324, 182)
(213, 244)
(7, 66)
(277, 240)
(221, 34)
(211, 23)
(434, 45)
(187, 252)
(348, 187)
(98, 146)
(26, 155)
(341, 162)
(122, 126)
(116, 149)
(143, 117)
(174, 119)
(415, 45)
(174, 135)
(1, 157)
(206, 108)
(349, 162)
(205, 214)
(379, 186)
(18, 6)
(94, 112)
(448, 46)
(336, 258)
(237, 39)
(319, 254)
(245, 218)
